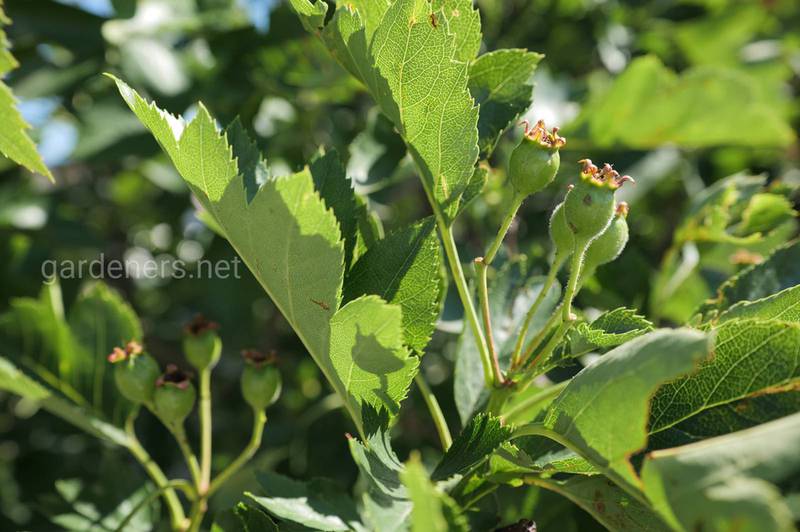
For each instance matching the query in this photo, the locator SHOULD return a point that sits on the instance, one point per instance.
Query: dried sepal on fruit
(261, 380)
(175, 395)
(535, 161)
(202, 345)
(135, 372)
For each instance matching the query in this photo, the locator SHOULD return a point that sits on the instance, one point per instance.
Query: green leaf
(511, 293)
(704, 106)
(510, 464)
(337, 192)
(14, 381)
(386, 505)
(502, 84)
(243, 518)
(464, 23)
(299, 260)
(779, 271)
(727, 483)
(368, 354)
(607, 503)
(475, 187)
(750, 356)
(603, 411)
(311, 13)
(69, 354)
(764, 406)
(404, 269)
(482, 435)
(424, 90)
(14, 140)
(610, 329)
(765, 212)
(432, 510)
(318, 504)
(784, 306)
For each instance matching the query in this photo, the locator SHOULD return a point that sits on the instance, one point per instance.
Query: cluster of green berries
(589, 221)
(171, 394)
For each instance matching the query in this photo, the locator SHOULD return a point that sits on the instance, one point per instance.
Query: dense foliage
(450, 317)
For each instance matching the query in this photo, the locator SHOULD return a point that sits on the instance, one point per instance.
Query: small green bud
(261, 380)
(202, 345)
(534, 162)
(174, 396)
(560, 234)
(609, 245)
(589, 204)
(135, 372)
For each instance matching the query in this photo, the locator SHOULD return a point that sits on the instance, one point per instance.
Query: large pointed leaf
(404, 269)
(784, 306)
(750, 357)
(292, 244)
(727, 483)
(423, 89)
(602, 413)
(14, 140)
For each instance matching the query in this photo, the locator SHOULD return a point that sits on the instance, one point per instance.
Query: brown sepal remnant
(199, 325)
(258, 359)
(623, 209)
(605, 177)
(539, 134)
(174, 376)
(131, 349)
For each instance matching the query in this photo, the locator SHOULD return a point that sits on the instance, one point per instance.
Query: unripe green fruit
(534, 162)
(560, 234)
(589, 204)
(136, 378)
(261, 380)
(202, 345)
(174, 396)
(609, 245)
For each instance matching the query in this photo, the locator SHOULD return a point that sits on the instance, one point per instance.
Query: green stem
(501, 234)
(179, 433)
(180, 484)
(436, 412)
(549, 347)
(177, 516)
(534, 344)
(446, 232)
(534, 400)
(575, 264)
(259, 420)
(205, 430)
(558, 262)
(483, 296)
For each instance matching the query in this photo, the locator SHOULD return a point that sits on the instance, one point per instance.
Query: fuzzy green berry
(202, 345)
(135, 372)
(261, 380)
(560, 234)
(534, 162)
(609, 245)
(589, 204)
(174, 396)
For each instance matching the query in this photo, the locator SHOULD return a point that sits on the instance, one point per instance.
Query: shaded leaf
(318, 504)
(501, 83)
(750, 356)
(603, 411)
(403, 268)
(610, 329)
(432, 510)
(482, 435)
(729, 482)
(243, 518)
